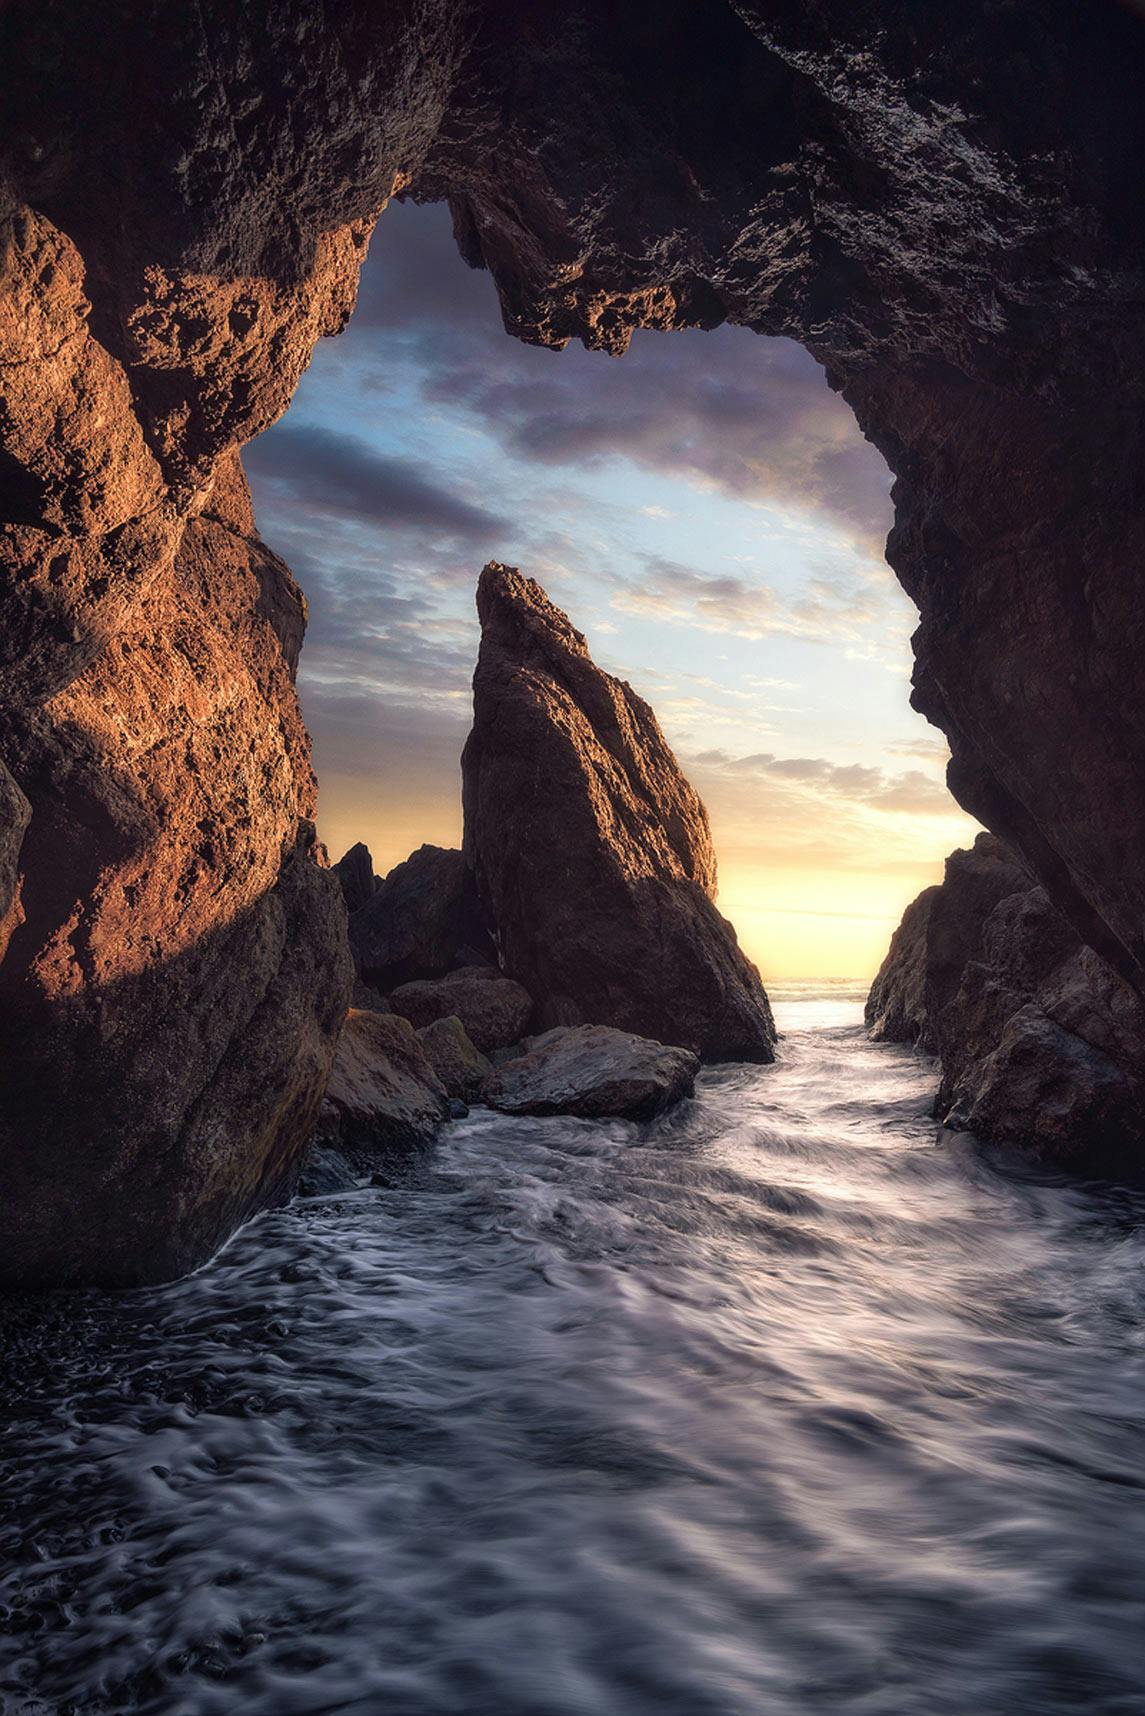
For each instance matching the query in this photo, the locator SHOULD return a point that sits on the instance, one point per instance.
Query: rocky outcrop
(940, 935)
(355, 873)
(177, 970)
(174, 960)
(941, 203)
(383, 1100)
(369, 999)
(896, 1006)
(927, 209)
(591, 851)
(1040, 1043)
(595, 1072)
(461, 1068)
(493, 1009)
(422, 921)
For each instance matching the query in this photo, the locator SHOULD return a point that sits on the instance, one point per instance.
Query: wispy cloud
(748, 417)
(911, 791)
(832, 610)
(341, 475)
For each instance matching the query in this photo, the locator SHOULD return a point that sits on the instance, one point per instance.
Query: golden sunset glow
(705, 510)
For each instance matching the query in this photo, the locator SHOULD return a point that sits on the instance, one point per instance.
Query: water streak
(783, 1403)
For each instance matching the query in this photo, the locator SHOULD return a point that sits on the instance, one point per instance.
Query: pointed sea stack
(592, 853)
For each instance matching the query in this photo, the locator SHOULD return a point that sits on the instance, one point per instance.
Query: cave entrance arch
(711, 516)
(945, 211)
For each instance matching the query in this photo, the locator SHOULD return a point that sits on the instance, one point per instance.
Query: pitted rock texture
(185, 200)
(591, 851)
(595, 1072)
(422, 921)
(177, 972)
(1040, 1043)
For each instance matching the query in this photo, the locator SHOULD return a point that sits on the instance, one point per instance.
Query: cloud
(927, 750)
(330, 472)
(831, 610)
(748, 416)
(911, 792)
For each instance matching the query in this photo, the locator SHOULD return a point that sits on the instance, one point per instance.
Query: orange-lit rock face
(943, 207)
(179, 974)
(175, 967)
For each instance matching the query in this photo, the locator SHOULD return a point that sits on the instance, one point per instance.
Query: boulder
(384, 1099)
(1040, 1043)
(592, 853)
(940, 933)
(368, 999)
(422, 921)
(325, 1168)
(355, 873)
(493, 1009)
(593, 1071)
(461, 1068)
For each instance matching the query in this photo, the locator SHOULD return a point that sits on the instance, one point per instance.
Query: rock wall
(592, 853)
(185, 200)
(423, 920)
(1040, 1043)
(943, 205)
(177, 970)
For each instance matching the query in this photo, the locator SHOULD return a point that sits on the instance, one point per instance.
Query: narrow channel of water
(784, 1403)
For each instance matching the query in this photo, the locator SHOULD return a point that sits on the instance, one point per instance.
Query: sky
(707, 512)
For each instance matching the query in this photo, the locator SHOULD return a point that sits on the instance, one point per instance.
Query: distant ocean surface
(787, 1403)
(818, 1003)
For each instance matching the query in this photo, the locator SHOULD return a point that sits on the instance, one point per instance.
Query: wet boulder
(593, 1071)
(493, 1009)
(461, 1068)
(592, 852)
(421, 921)
(383, 1100)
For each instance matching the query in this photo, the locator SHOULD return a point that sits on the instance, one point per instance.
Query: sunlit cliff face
(708, 513)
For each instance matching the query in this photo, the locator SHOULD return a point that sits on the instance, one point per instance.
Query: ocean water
(785, 1403)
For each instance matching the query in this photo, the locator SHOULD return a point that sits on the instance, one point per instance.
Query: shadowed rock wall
(943, 204)
(1040, 1043)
